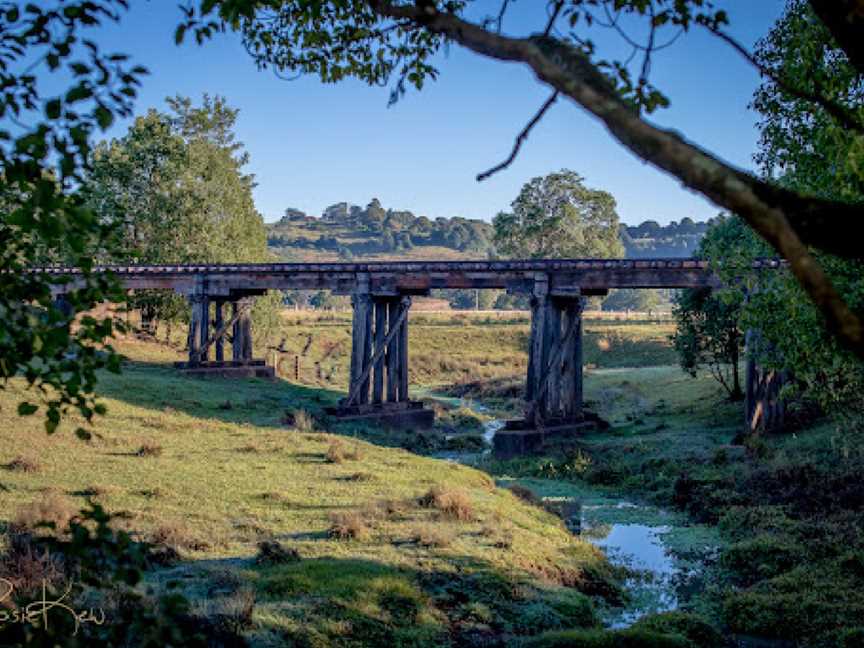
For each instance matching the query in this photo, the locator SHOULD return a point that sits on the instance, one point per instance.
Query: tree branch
(786, 219)
(520, 138)
(553, 16)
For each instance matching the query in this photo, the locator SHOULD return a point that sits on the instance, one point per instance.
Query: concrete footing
(407, 414)
(517, 438)
(227, 369)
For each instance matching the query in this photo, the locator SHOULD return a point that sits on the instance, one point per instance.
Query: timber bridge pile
(381, 298)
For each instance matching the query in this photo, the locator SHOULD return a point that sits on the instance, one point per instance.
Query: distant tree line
(351, 231)
(375, 230)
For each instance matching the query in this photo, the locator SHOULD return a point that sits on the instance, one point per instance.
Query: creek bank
(787, 510)
(662, 552)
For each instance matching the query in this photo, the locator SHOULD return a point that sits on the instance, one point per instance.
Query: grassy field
(397, 548)
(462, 347)
(212, 468)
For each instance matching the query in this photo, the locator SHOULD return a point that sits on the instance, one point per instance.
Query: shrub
(525, 494)
(26, 564)
(271, 552)
(761, 557)
(428, 535)
(348, 525)
(177, 535)
(53, 511)
(228, 616)
(452, 503)
(338, 453)
(392, 508)
(335, 453)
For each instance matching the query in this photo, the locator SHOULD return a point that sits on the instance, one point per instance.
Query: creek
(663, 552)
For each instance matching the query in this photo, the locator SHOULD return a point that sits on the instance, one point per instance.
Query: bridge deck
(417, 277)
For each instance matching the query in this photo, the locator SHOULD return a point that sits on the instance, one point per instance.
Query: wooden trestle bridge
(381, 295)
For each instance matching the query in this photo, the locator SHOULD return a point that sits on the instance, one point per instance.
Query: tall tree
(175, 184)
(175, 187)
(377, 39)
(707, 323)
(557, 216)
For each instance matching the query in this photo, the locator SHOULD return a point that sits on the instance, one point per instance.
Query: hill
(345, 232)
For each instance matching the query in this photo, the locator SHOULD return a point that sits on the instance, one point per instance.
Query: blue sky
(312, 144)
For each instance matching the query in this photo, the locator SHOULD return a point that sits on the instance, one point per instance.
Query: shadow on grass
(158, 386)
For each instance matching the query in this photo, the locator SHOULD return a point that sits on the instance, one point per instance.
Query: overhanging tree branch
(787, 220)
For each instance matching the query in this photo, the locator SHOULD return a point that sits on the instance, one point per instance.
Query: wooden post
(361, 336)
(219, 322)
(393, 354)
(537, 348)
(296, 368)
(236, 334)
(571, 369)
(552, 400)
(203, 323)
(380, 334)
(245, 322)
(403, 353)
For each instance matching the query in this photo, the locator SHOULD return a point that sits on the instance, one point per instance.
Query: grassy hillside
(212, 468)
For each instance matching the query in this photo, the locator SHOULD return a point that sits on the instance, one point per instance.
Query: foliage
(707, 329)
(174, 187)
(44, 153)
(808, 151)
(792, 330)
(102, 564)
(473, 299)
(557, 216)
(174, 184)
(801, 146)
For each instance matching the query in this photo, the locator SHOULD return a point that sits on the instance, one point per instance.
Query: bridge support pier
(378, 386)
(553, 389)
(206, 334)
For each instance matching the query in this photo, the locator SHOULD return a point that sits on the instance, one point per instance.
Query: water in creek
(663, 552)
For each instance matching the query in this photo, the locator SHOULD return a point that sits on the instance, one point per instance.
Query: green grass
(461, 347)
(229, 474)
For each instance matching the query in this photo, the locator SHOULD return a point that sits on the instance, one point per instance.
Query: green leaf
(26, 409)
(83, 434)
(52, 109)
(104, 117)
